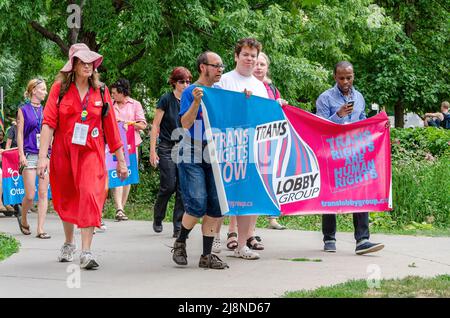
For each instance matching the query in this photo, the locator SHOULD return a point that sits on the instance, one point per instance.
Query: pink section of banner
(354, 166)
(10, 163)
(131, 140)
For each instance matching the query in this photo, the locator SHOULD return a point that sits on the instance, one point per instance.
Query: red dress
(78, 176)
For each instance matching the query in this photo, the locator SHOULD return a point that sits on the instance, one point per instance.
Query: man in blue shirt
(195, 171)
(343, 104)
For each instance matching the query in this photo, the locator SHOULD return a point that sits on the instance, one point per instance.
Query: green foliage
(8, 246)
(144, 40)
(421, 193)
(419, 144)
(8, 70)
(421, 178)
(412, 68)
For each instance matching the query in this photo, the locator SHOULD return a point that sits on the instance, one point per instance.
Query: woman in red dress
(78, 176)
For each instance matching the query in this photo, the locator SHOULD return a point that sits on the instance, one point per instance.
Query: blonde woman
(29, 122)
(261, 72)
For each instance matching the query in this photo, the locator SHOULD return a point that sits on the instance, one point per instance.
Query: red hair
(179, 73)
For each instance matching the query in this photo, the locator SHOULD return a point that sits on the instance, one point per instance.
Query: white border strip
(215, 163)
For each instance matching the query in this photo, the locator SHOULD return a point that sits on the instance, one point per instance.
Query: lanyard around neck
(38, 118)
(84, 105)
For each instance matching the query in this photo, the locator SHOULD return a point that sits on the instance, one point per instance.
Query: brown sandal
(24, 229)
(232, 242)
(255, 246)
(43, 236)
(120, 215)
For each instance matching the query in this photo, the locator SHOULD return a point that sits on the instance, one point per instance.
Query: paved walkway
(136, 262)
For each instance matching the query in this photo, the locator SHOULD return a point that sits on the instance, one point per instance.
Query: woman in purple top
(29, 122)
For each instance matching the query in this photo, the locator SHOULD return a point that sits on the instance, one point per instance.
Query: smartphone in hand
(350, 104)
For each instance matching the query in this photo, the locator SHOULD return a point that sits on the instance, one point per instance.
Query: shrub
(421, 192)
(417, 144)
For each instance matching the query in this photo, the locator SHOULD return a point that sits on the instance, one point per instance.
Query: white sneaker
(102, 227)
(217, 247)
(66, 254)
(87, 260)
(245, 253)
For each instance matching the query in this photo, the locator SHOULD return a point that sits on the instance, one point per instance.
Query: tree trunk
(410, 25)
(399, 114)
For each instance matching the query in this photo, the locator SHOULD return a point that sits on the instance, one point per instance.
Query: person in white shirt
(241, 79)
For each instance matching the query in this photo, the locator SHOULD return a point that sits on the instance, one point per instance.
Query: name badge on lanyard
(80, 133)
(39, 122)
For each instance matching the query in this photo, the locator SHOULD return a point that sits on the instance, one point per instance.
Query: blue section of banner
(242, 178)
(133, 174)
(13, 191)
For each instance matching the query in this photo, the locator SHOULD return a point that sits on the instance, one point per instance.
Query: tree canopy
(399, 48)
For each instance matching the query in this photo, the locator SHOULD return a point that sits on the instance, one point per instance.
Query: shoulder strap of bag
(105, 106)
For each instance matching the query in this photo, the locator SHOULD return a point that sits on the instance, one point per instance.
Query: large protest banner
(12, 182)
(129, 149)
(271, 160)
(240, 181)
(354, 160)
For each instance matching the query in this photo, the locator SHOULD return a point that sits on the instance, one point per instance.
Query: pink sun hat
(83, 52)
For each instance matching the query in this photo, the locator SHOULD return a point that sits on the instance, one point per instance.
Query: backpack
(446, 122)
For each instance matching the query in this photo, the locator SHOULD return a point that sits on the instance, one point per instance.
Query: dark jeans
(360, 222)
(169, 184)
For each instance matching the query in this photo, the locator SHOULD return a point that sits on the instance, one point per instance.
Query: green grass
(8, 246)
(316, 260)
(409, 287)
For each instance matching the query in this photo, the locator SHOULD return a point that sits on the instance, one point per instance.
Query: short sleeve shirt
(197, 131)
(12, 133)
(233, 81)
(170, 121)
(131, 111)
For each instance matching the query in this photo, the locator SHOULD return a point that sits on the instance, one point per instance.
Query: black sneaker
(329, 246)
(179, 253)
(368, 247)
(212, 261)
(157, 227)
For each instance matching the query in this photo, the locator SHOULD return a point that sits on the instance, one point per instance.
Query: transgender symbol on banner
(293, 173)
(13, 188)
